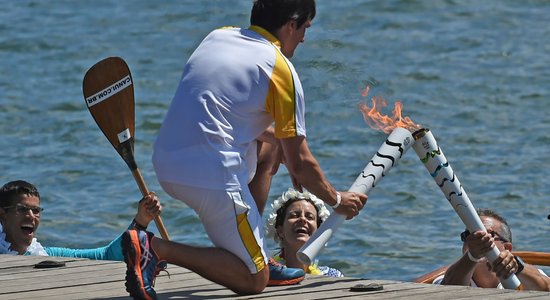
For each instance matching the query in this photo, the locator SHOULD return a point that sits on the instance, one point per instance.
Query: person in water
(20, 213)
(294, 217)
(473, 269)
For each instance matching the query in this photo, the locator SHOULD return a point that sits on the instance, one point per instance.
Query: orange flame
(376, 120)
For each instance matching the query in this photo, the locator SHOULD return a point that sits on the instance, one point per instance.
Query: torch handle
(320, 237)
(397, 143)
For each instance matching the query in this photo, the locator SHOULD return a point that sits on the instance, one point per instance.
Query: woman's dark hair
(13, 189)
(281, 212)
(272, 14)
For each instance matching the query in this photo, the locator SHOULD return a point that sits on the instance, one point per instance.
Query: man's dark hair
(272, 14)
(505, 231)
(13, 189)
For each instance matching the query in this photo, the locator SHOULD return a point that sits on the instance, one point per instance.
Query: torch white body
(397, 143)
(435, 161)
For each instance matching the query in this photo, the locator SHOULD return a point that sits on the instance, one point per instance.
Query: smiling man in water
(473, 269)
(19, 217)
(20, 213)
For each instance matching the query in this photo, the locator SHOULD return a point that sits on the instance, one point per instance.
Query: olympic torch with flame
(395, 146)
(397, 143)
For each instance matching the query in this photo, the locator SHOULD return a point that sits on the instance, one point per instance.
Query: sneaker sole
(134, 280)
(285, 281)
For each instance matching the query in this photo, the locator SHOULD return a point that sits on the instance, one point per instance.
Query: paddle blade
(109, 95)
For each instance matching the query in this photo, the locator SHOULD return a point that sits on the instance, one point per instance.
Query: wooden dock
(89, 279)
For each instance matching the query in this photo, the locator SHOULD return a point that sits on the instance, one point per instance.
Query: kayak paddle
(109, 95)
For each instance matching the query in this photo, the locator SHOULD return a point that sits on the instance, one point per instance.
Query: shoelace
(276, 264)
(161, 266)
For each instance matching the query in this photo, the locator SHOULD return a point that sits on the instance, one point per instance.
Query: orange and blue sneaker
(282, 275)
(142, 264)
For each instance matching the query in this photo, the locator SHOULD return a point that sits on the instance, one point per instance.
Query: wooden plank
(83, 292)
(14, 261)
(434, 292)
(323, 288)
(88, 279)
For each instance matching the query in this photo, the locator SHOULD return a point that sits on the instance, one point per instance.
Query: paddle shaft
(144, 191)
(126, 151)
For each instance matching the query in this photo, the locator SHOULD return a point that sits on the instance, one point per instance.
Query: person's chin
(302, 239)
(27, 240)
(288, 54)
(21, 244)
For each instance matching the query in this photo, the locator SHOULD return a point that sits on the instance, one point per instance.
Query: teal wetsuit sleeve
(113, 251)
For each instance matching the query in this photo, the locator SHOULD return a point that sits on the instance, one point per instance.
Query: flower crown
(271, 231)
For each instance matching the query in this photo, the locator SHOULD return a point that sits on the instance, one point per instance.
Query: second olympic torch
(439, 168)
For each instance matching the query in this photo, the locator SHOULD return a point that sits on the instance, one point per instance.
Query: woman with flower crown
(295, 216)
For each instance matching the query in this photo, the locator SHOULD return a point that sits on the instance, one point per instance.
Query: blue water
(475, 72)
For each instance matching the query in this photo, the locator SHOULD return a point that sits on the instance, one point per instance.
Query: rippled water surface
(475, 72)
